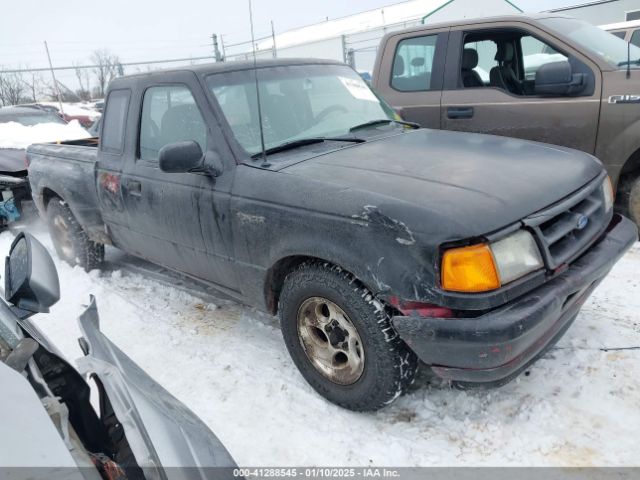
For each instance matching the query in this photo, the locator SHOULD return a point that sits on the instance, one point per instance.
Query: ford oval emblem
(582, 222)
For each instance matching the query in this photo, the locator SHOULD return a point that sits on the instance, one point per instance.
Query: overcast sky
(155, 29)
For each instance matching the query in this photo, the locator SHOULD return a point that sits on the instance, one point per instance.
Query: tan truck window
(486, 52)
(496, 60)
(535, 54)
(413, 64)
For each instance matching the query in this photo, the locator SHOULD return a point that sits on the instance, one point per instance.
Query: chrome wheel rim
(62, 237)
(330, 341)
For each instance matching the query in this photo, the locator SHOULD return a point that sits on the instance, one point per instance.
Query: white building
(355, 38)
(603, 11)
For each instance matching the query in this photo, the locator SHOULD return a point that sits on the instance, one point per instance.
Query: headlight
(607, 190)
(484, 267)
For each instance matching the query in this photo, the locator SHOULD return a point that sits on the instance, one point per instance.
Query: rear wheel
(69, 239)
(341, 338)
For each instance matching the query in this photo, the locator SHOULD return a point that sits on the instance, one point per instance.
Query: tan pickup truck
(548, 78)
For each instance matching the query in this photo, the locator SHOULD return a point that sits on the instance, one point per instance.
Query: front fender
(161, 431)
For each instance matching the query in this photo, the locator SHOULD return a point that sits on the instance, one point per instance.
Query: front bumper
(495, 347)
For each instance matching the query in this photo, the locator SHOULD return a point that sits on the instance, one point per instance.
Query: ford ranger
(378, 243)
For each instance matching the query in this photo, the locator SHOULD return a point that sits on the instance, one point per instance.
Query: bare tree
(33, 83)
(106, 68)
(11, 88)
(82, 75)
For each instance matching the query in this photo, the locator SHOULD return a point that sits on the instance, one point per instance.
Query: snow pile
(16, 135)
(577, 406)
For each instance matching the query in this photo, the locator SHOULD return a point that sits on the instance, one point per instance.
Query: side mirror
(31, 278)
(557, 79)
(187, 157)
(181, 157)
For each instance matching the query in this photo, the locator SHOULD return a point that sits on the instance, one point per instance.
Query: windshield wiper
(383, 121)
(301, 142)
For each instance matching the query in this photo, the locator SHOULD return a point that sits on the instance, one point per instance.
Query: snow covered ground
(579, 405)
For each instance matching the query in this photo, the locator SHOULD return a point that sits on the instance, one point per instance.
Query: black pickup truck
(378, 243)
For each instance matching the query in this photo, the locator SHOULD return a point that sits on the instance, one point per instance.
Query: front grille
(565, 230)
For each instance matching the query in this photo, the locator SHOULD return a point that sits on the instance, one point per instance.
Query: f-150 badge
(624, 99)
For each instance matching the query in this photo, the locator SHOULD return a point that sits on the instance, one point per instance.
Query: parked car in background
(19, 127)
(628, 31)
(48, 422)
(551, 78)
(99, 105)
(376, 241)
(94, 129)
(85, 113)
(14, 186)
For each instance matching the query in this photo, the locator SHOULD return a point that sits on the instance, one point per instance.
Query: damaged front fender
(161, 431)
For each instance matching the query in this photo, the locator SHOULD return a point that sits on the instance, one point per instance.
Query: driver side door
(491, 108)
(171, 215)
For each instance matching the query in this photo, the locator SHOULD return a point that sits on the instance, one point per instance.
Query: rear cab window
(115, 117)
(414, 64)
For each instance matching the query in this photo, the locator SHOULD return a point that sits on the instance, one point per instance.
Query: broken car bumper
(495, 347)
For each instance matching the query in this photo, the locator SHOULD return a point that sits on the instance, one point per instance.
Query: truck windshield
(297, 102)
(603, 44)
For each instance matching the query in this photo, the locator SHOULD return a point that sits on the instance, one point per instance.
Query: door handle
(134, 188)
(459, 112)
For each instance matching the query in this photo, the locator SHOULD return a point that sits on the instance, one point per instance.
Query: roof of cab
(516, 17)
(221, 67)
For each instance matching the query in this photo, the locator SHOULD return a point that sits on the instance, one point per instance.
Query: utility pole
(224, 54)
(351, 58)
(53, 75)
(273, 37)
(216, 50)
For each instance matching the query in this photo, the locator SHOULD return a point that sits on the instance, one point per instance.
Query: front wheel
(629, 197)
(69, 239)
(341, 339)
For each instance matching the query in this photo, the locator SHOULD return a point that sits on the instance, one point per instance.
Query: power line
(124, 64)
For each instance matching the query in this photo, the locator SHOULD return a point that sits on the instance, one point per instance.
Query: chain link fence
(358, 49)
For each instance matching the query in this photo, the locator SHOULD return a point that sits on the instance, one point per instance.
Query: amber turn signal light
(469, 269)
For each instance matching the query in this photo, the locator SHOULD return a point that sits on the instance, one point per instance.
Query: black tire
(628, 201)
(69, 239)
(389, 365)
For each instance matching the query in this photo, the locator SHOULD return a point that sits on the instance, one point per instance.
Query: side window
(114, 120)
(413, 64)
(169, 114)
(478, 58)
(504, 59)
(635, 38)
(535, 54)
(620, 34)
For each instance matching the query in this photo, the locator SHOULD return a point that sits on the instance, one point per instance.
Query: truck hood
(161, 431)
(482, 182)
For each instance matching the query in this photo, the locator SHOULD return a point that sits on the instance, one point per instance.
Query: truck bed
(67, 170)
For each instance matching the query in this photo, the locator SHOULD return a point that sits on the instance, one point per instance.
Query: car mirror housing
(31, 278)
(181, 157)
(557, 79)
